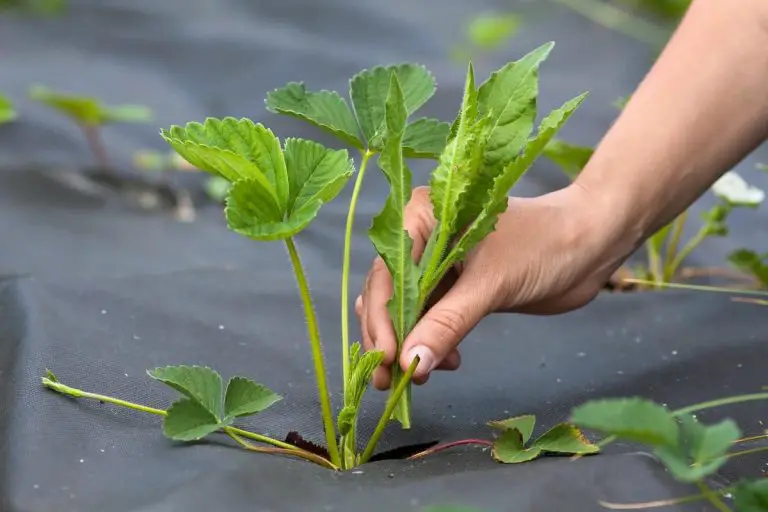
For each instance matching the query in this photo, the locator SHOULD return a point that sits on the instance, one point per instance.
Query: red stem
(441, 447)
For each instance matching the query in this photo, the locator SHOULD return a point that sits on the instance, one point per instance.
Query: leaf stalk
(317, 352)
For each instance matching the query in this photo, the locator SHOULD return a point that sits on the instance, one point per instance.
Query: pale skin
(701, 109)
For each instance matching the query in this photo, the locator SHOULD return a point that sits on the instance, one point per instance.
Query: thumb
(445, 325)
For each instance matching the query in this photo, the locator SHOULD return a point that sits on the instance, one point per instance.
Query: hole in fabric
(399, 453)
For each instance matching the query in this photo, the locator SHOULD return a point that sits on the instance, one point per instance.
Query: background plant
(7, 111)
(91, 115)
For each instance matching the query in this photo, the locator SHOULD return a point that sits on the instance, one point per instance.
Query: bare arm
(701, 109)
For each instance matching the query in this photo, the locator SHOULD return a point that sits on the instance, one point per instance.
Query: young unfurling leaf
(362, 366)
(7, 112)
(388, 234)
(275, 192)
(363, 125)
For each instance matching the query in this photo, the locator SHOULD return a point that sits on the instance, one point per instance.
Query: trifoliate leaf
(387, 232)
(425, 138)
(751, 496)
(569, 157)
(187, 420)
(199, 383)
(496, 204)
(245, 397)
(88, 111)
(325, 109)
(524, 424)
(370, 88)
(316, 174)
(488, 31)
(234, 149)
(7, 112)
(700, 450)
(565, 438)
(509, 448)
(751, 262)
(634, 419)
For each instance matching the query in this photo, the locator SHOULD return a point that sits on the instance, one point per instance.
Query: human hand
(548, 255)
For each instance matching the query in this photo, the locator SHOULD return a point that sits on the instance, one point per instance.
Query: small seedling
(689, 449)
(90, 115)
(7, 112)
(278, 188)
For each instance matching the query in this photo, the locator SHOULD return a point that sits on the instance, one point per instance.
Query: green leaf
(387, 232)
(524, 424)
(249, 213)
(187, 420)
(369, 91)
(659, 238)
(634, 419)
(325, 109)
(509, 96)
(496, 204)
(751, 262)
(751, 496)
(569, 157)
(245, 397)
(234, 149)
(199, 383)
(7, 112)
(565, 438)
(509, 448)
(700, 450)
(86, 110)
(489, 31)
(425, 138)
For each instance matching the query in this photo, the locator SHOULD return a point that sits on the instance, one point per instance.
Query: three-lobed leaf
(634, 419)
(204, 409)
(89, 111)
(512, 446)
(275, 192)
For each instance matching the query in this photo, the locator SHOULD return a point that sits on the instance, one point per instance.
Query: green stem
(687, 250)
(654, 263)
(750, 451)
(393, 400)
(662, 503)
(701, 288)
(712, 497)
(309, 456)
(720, 402)
(79, 393)
(317, 352)
(674, 243)
(345, 267)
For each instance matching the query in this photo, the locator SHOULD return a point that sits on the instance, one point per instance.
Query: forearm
(701, 109)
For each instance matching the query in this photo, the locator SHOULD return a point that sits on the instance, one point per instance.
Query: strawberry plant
(90, 115)
(689, 449)
(276, 189)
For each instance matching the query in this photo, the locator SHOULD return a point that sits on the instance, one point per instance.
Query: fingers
(445, 325)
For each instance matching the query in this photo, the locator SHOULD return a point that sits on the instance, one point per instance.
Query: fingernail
(426, 359)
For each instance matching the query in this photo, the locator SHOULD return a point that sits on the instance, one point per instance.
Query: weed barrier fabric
(109, 292)
(101, 335)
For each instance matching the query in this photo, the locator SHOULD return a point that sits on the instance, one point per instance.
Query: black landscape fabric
(99, 292)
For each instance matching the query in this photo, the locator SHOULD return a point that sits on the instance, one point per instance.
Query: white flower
(735, 190)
